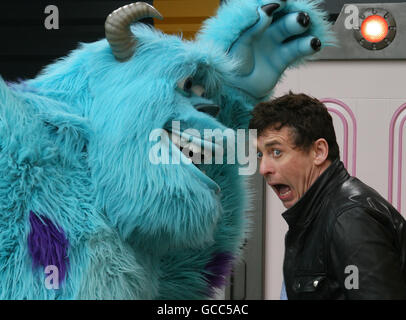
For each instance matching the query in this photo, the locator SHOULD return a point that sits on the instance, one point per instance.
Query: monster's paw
(267, 49)
(270, 36)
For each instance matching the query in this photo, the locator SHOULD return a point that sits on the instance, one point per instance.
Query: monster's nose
(210, 109)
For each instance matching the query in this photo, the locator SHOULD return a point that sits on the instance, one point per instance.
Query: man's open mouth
(283, 191)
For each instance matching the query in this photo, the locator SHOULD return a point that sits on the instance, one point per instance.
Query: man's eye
(259, 154)
(276, 153)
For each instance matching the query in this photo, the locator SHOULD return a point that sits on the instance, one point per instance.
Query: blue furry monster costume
(79, 196)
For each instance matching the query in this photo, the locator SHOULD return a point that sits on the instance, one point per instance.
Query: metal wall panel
(335, 6)
(247, 281)
(349, 48)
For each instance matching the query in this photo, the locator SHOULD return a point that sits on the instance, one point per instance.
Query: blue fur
(74, 145)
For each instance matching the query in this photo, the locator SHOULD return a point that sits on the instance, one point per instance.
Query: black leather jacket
(345, 241)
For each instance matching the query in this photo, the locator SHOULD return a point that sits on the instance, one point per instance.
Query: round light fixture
(374, 28)
(377, 29)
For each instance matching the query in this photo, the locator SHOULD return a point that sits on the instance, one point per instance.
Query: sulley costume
(80, 197)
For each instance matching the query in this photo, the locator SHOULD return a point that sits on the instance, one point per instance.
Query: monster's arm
(264, 37)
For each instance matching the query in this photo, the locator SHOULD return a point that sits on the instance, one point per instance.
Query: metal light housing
(377, 29)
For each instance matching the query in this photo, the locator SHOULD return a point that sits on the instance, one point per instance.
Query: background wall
(27, 45)
(184, 16)
(373, 90)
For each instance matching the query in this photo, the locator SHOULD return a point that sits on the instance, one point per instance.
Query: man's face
(289, 170)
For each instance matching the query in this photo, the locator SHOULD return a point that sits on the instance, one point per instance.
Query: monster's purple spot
(47, 245)
(217, 270)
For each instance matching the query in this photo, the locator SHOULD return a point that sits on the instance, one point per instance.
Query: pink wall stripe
(354, 136)
(400, 156)
(391, 155)
(345, 125)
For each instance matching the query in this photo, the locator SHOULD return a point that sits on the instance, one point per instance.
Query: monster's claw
(292, 24)
(270, 8)
(299, 48)
(303, 19)
(315, 44)
(264, 19)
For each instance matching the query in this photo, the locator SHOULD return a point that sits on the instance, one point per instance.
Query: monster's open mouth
(196, 152)
(190, 149)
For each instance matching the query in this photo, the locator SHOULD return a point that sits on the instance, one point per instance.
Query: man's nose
(266, 167)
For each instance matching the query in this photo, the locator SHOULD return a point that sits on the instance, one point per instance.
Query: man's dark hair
(306, 116)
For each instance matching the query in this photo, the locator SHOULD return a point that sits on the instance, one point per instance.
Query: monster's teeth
(195, 148)
(182, 143)
(175, 139)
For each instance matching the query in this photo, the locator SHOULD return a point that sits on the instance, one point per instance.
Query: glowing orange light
(374, 28)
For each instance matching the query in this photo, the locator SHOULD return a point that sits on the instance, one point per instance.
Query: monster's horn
(117, 27)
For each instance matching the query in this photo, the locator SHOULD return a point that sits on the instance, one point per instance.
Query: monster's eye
(188, 87)
(186, 84)
(198, 90)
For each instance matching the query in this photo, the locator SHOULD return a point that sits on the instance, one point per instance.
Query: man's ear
(320, 149)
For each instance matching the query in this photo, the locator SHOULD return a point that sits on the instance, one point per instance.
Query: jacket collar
(305, 209)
